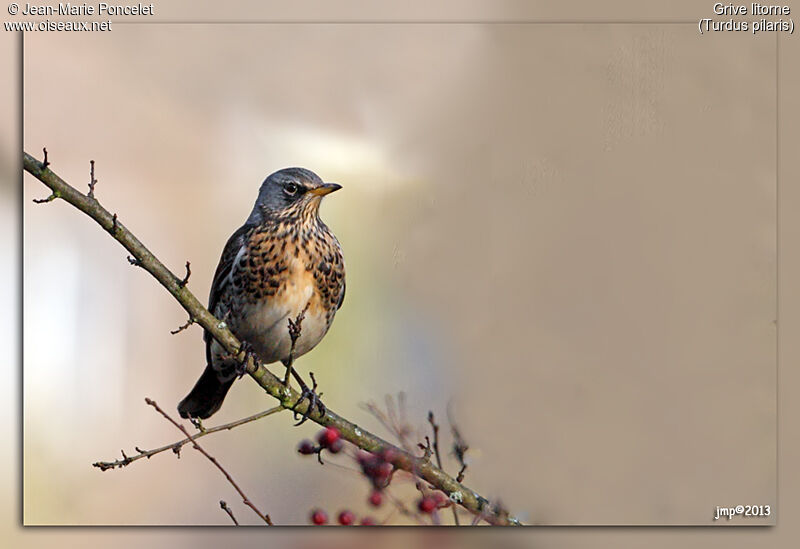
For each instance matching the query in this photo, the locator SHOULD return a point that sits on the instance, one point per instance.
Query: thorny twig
(212, 459)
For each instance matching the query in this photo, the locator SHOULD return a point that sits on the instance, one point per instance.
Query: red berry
(363, 457)
(319, 517)
(336, 446)
(388, 454)
(440, 499)
(375, 498)
(328, 436)
(306, 447)
(346, 518)
(426, 505)
(368, 521)
(383, 471)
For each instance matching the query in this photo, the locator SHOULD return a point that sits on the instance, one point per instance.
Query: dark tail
(206, 397)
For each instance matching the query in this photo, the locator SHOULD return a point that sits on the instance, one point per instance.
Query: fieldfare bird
(278, 285)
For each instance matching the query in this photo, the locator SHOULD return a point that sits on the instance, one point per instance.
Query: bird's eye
(290, 189)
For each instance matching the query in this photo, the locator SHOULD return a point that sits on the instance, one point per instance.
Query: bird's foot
(241, 366)
(313, 399)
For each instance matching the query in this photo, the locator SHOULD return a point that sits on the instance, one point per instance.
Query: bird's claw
(241, 366)
(313, 401)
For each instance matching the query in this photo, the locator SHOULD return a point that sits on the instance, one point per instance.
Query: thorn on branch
(224, 507)
(182, 283)
(92, 180)
(182, 327)
(135, 262)
(45, 162)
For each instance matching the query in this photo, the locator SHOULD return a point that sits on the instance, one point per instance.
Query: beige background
(636, 425)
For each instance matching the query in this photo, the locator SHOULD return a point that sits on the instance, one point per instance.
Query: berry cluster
(345, 518)
(377, 467)
(328, 439)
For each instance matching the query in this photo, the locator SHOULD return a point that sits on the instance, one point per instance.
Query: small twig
(227, 509)
(212, 459)
(45, 162)
(92, 180)
(50, 198)
(182, 327)
(460, 447)
(295, 328)
(426, 448)
(185, 279)
(176, 446)
(114, 224)
(435, 428)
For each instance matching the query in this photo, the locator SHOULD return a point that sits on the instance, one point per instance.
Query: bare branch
(213, 460)
(288, 397)
(176, 446)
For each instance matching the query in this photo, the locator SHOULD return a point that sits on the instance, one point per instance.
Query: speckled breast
(281, 271)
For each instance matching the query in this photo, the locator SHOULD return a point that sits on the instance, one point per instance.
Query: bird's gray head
(291, 191)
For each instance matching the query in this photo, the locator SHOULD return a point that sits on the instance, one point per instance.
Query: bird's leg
(241, 365)
(311, 395)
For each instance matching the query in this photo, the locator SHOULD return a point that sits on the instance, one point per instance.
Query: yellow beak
(324, 189)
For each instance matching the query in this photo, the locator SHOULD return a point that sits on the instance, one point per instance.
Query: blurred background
(575, 251)
(566, 234)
